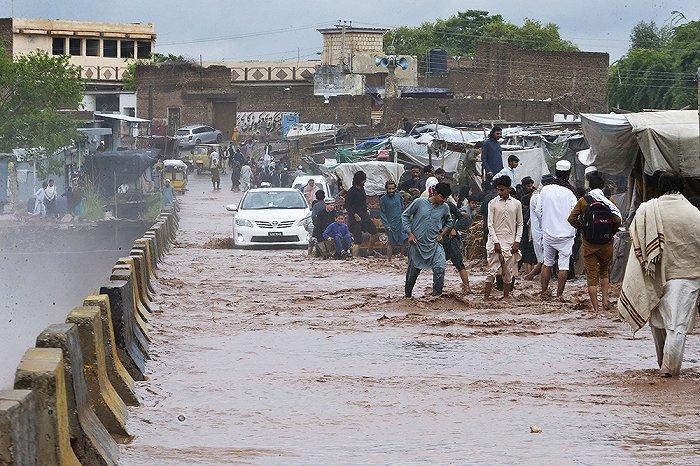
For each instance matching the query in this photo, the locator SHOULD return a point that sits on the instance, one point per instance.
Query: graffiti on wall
(260, 122)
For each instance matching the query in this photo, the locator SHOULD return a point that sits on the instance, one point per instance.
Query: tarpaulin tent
(667, 140)
(532, 164)
(378, 173)
(109, 170)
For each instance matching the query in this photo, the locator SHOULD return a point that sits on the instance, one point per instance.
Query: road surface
(269, 357)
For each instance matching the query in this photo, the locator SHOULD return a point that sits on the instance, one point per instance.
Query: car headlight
(244, 222)
(303, 221)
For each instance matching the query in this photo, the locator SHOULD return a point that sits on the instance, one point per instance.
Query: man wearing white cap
(554, 206)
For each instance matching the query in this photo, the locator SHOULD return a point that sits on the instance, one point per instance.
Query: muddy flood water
(266, 356)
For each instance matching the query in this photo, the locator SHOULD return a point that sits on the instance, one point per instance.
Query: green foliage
(460, 33)
(153, 208)
(129, 77)
(33, 89)
(649, 36)
(93, 204)
(659, 77)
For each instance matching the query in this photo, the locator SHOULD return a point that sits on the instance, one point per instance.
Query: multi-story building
(101, 50)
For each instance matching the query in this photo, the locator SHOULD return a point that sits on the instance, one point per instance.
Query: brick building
(500, 83)
(575, 81)
(179, 94)
(101, 50)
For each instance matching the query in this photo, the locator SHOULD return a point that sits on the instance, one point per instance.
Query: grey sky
(594, 25)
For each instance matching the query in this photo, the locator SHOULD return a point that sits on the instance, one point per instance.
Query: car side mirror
(232, 208)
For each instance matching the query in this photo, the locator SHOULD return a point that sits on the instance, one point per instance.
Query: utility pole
(344, 62)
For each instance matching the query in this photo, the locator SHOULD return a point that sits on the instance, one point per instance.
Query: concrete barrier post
(128, 263)
(122, 268)
(18, 434)
(142, 272)
(122, 382)
(139, 316)
(143, 245)
(91, 442)
(126, 331)
(155, 247)
(41, 370)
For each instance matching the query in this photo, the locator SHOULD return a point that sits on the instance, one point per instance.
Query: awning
(669, 140)
(119, 116)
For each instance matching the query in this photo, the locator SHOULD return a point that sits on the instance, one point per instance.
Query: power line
(245, 35)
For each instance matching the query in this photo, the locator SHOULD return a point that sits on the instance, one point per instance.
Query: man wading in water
(426, 220)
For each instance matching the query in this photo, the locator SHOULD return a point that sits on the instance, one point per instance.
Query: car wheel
(219, 137)
(198, 141)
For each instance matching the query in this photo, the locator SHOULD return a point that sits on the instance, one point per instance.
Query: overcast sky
(280, 29)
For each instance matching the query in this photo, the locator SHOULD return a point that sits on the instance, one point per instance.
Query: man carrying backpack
(599, 219)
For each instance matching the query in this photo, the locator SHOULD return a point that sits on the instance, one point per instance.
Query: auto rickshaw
(176, 172)
(201, 156)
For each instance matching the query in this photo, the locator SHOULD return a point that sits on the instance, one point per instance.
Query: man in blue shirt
(491, 159)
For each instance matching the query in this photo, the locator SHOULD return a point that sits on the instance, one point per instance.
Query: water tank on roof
(437, 61)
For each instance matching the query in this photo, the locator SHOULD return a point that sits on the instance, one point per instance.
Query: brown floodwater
(265, 356)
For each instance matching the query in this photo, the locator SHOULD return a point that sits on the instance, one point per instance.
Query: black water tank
(437, 61)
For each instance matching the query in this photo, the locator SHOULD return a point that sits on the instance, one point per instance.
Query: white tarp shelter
(532, 164)
(378, 173)
(668, 140)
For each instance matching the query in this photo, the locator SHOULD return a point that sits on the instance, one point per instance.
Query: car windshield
(182, 132)
(273, 200)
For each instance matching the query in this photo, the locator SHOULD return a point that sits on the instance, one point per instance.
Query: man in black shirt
(412, 185)
(358, 215)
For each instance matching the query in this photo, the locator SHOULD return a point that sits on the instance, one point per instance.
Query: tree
(531, 35)
(660, 75)
(460, 33)
(641, 80)
(649, 36)
(33, 90)
(129, 77)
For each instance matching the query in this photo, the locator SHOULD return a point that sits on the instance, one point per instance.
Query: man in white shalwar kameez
(662, 278)
(245, 178)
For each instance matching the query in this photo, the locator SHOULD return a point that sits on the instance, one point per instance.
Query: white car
(190, 136)
(270, 216)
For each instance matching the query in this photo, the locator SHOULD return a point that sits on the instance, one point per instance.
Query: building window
(92, 47)
(127, 48)
(59, 46)
(144, 50)
(109, 48)
(75, 46)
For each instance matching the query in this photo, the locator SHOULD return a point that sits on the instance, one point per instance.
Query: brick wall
(187, 86)
(464, 110)
(576, 80)
(300, 99)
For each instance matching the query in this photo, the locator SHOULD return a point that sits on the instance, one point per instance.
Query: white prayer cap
(430, 183)
(590, 169)
(563, 165)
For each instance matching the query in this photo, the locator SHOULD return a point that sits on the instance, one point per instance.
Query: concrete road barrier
(127, 265)
(109, 406)
(41, 370)
(140, 262)
(130, 351)
(120, 379)
(139, 326)
(156, 245)
(137, 275)
(18, 433)
(143, 245)
(91, 442)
